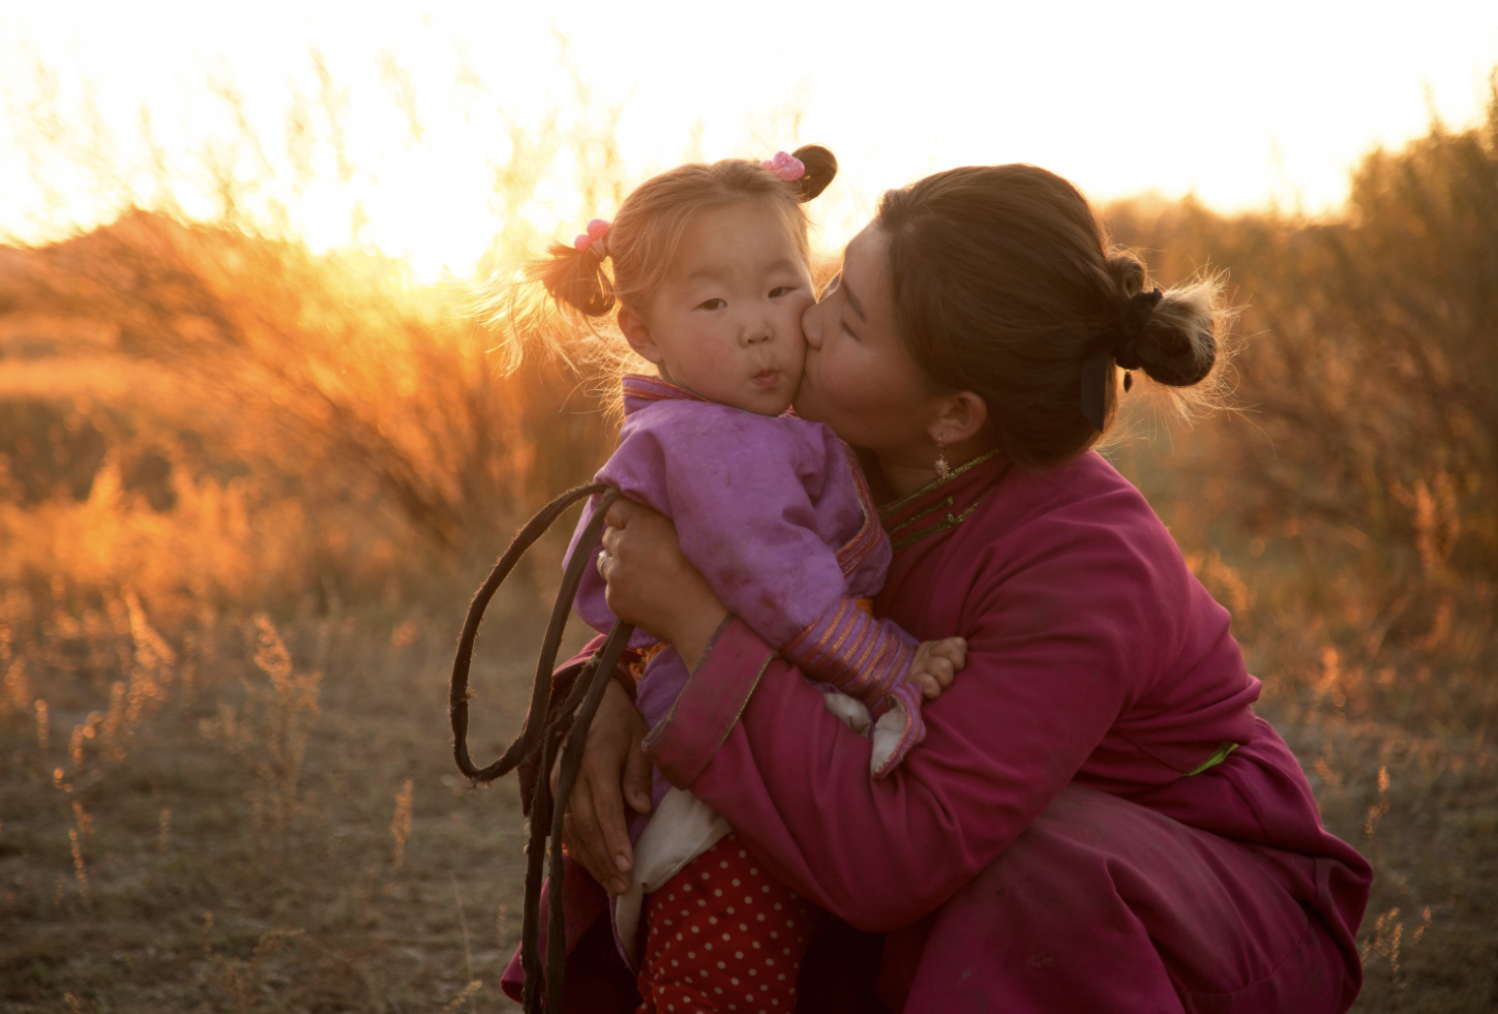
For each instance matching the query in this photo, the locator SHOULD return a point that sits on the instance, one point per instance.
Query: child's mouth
(766, 378)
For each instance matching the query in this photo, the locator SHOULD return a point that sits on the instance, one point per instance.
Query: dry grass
(245, 490)
(179, 841)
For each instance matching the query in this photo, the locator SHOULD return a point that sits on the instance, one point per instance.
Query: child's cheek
(794, 312)
(717, 359)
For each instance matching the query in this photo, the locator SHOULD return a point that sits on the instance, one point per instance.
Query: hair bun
(1175, 342)
(1178, 345)
(1127, 272)
(821, 167)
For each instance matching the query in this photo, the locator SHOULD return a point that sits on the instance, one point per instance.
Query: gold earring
(942, 468)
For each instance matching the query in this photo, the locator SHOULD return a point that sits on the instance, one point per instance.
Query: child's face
(727, 321)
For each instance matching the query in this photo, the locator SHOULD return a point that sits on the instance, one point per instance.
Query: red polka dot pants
(722, 935)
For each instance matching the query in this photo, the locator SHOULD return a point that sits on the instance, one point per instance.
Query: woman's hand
(614, 770)
(652, 585)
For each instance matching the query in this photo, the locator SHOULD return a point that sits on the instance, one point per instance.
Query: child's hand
(937, 663)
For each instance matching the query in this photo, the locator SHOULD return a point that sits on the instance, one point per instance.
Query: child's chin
(767, 406)
(771, 402)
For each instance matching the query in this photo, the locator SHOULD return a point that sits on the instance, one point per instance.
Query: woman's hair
(581, 289)
(1005, 286)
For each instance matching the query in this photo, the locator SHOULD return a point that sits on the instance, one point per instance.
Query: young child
(710, 274)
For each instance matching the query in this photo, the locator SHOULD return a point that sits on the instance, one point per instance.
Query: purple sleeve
(741, 490)
(860, 655)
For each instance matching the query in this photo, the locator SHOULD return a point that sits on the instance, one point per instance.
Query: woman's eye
(712, 304)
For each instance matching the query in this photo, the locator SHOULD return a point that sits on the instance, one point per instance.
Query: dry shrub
(1355, 486)
(206, 411)
(1345, 514)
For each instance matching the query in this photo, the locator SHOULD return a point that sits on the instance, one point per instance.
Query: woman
(1096, 820)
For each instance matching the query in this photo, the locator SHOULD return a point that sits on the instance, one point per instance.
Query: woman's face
(860, 379)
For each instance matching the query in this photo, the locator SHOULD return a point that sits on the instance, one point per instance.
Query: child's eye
(712, 304)
(781, 290)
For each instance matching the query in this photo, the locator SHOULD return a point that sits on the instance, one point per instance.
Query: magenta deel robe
(1046, 847)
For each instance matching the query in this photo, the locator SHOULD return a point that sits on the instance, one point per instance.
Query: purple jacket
(776, 515)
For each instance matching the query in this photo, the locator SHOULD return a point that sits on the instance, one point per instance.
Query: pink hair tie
(594, 239)
(786, 166)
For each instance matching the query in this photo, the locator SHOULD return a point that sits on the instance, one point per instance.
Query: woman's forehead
(868, 249)
(866, 268)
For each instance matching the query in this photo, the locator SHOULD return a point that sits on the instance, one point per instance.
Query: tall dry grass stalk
(400, 825)
(269, 732)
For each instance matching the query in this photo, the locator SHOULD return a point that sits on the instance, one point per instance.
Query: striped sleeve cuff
(848, 648)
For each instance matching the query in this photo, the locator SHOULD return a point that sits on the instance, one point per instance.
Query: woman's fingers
(597, 829)
(580, 828)
(651, 584)
(618, 514)
(637, 777)
(611, 538)
(608, 834)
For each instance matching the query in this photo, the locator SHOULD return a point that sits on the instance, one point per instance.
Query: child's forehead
(736, 236)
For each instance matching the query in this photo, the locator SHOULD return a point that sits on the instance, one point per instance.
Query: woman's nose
(811, 327)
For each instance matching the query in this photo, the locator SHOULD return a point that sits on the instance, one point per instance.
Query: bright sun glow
(427, 135)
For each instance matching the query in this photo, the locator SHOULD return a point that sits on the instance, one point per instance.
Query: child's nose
(756, 330)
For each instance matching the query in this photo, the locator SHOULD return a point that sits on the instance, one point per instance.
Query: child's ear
(638, 335)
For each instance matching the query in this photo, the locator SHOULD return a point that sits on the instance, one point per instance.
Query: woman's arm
(614, 771)
(1049, 646)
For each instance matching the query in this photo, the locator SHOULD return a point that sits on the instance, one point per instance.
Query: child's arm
(867, 658)
(881, 665)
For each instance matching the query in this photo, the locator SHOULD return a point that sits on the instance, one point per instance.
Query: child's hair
(1005, 286)
(582, 289)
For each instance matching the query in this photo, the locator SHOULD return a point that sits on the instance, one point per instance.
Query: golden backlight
(257, 445)
(426, 134)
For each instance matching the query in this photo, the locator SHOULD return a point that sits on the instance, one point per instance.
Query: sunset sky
(1243, 105)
